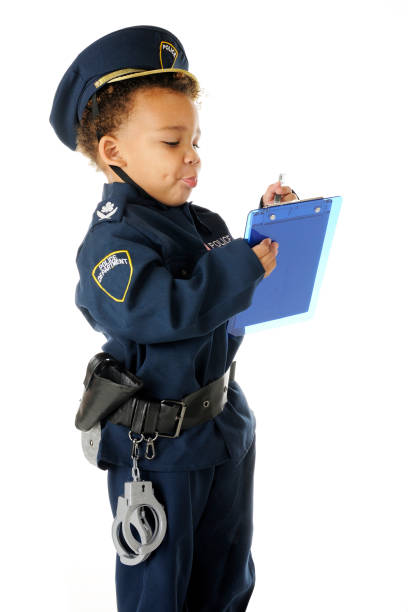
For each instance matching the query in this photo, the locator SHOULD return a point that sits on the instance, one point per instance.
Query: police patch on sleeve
(113, 274)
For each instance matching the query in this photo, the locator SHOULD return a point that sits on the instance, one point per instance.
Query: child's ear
(109, 151)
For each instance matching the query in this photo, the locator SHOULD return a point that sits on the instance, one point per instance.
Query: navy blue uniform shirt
(162, 299)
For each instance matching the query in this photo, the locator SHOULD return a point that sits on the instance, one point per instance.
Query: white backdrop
(316, 90)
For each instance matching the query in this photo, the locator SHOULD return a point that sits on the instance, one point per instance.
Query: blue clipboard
(304, 230)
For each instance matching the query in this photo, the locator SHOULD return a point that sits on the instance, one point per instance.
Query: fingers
(269, 264)
(274, 250)
(267, 251)
(266, 248)
(288, 197)
(272, 189)
(278, 188)
(284, 190)
(271, 251)
(270, 245)
(263, 248)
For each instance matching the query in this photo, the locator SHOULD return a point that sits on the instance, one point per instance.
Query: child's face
(139, 145)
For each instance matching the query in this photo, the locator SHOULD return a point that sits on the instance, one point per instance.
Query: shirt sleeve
(126, 290)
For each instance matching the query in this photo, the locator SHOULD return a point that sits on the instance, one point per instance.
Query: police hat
(123, 54)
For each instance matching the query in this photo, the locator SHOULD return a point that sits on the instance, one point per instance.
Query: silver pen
(277, 198)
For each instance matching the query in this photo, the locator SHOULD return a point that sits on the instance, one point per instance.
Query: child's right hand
(266, 251)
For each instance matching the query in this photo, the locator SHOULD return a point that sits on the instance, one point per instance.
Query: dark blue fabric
(160, 283)
(170, 328)
(204, 563)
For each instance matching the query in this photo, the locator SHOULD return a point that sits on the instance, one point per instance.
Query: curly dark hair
(115, 103)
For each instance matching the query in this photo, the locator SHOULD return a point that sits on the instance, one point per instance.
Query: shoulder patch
(113, 274)
(107, 211)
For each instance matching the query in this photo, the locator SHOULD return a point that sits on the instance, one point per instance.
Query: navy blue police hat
(123, 54)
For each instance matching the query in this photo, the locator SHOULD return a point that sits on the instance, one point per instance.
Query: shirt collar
(135, 194)
(132, 193)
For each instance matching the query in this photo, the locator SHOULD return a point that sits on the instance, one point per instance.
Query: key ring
(150, 445)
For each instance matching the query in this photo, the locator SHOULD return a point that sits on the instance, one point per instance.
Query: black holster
(107, 386)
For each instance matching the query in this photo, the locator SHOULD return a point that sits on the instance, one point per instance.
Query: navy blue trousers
(204, 563)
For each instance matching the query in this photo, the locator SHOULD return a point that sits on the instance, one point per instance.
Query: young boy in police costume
(160, 277)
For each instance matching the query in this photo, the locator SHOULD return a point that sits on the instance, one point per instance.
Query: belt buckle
(180, 417)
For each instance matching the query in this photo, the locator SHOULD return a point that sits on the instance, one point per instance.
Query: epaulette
(108, 211)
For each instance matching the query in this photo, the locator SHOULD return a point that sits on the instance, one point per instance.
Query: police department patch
(113, 274)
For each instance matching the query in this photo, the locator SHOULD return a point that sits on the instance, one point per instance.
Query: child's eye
(176, 143)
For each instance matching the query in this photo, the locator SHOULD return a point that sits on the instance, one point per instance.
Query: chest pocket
(179, 266)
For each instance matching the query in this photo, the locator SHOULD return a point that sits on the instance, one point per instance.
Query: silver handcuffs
(130, 510)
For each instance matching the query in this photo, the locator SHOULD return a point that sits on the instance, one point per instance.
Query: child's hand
(266, 251)
(285, 191)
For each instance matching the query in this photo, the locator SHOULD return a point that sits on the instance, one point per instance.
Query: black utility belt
(113, 394)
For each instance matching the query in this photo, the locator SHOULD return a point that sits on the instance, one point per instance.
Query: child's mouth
(190, 181)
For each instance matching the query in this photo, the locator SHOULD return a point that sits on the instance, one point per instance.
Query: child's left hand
(285, 191)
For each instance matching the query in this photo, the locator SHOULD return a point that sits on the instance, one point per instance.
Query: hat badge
(168, 54)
